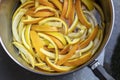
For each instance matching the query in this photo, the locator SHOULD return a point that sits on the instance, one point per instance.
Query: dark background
(9, 70)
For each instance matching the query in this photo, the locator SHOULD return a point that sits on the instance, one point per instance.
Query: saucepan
(7, 8)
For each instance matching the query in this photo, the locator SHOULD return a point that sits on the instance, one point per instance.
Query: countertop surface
(9, 70)
(112, 52)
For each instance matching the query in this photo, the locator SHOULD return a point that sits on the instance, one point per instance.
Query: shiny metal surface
(6, 10)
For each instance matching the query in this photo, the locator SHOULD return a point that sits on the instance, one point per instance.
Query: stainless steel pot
(7, 8)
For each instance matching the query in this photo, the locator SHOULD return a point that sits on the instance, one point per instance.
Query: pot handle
(99, 71)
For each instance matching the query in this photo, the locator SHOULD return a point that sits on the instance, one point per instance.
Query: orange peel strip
(80, 14)
(79, 61)
(65, 50)
(57, 3)
(51, 41)
(64, 11)
(55, 19)
(44, 28)
(69, 10)
(46, 3)
(32, 20)
(47, 8)
(22, 6)
(30, 12)
(41, 13)
(57, 35)
(90, 38)
(37, 43)
(67, 56)
(57, 67)
(29, 6)
(71, 16)
(58, 42)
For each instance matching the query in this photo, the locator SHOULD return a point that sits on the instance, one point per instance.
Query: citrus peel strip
(54, 19)
(27, 34)
(21, 7)
(57, 3)
(51, 41)
(26, 53)
(51, 55)
(90, 45)
(90, 38)
(46, 7)
(64, 11)
(46, 3)
(42, 13)
(57, 42)
(43, 28)
(79, 61)
(88, 4)
(20, 28)
(69, 10)
(24, 39)
(24, 58)
(56, 67)
(31, 20)
(71, 16)
(58, 36)
(73, 26)
(70, 54)
(37, 43)
(15, 24)
(80, 14)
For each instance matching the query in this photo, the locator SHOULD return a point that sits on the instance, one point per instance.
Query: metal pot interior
(7, 8)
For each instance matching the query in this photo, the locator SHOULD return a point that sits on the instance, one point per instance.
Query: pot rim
(74, 70)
